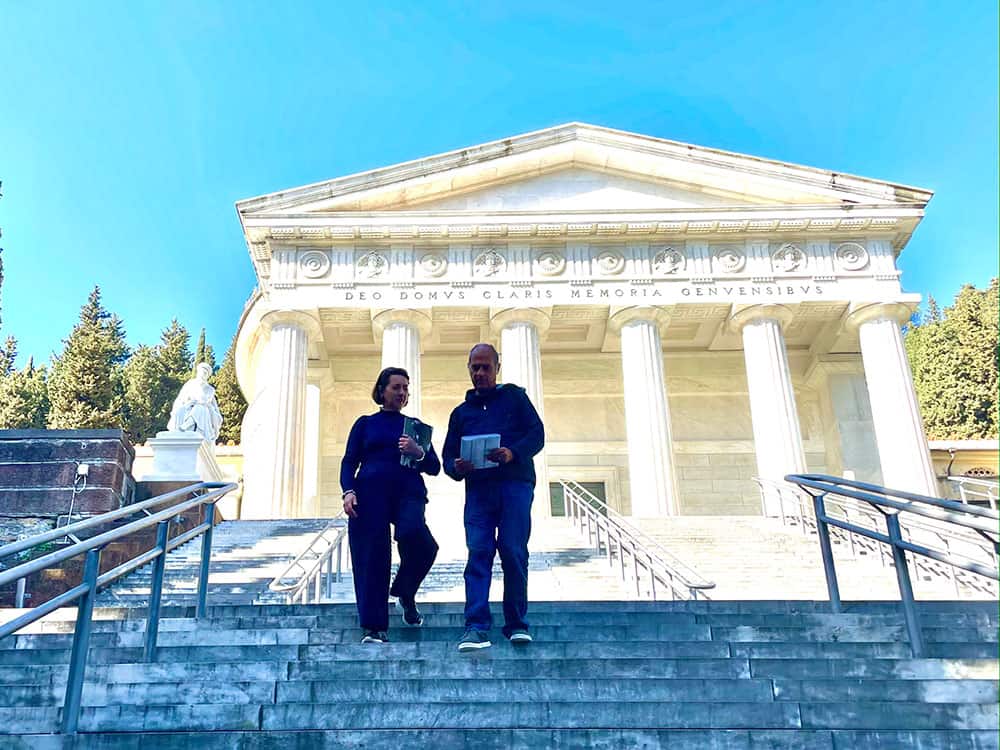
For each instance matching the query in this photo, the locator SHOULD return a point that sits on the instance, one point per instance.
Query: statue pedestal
(182, 456)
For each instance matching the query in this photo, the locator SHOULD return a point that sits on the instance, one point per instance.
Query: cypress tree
(86, 384)
(203, 353)
(227, 392)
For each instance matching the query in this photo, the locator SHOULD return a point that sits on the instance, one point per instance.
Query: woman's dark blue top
(373, 445)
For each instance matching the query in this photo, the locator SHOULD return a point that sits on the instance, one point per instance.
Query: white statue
(195, 408)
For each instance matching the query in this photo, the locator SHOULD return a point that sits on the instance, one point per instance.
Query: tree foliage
(231, 402)
(86, 384)
(154, 376)
(954, 356)
(203, 353)
(24, 398)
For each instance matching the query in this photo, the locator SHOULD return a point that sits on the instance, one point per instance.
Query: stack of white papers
(475, 448)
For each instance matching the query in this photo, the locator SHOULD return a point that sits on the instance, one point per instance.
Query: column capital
(382, 319)
(861, 313)
(501, 317)
(622, 316)
(741, 316)
(307, 321)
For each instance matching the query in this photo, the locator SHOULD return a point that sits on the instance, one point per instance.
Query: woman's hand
(409, 447)
(351, 504)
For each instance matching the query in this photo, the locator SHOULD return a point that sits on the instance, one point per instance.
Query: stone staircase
(716, 674)
(246, 557)
(751, 557)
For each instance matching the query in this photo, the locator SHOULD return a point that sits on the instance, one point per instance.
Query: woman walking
(381, 482)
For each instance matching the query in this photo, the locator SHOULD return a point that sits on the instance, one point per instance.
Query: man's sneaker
(520, 637)
(411, 615)
(374, 636)
(473, 640)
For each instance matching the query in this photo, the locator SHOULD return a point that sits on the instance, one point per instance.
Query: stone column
(652, 479)
(401, 332)
(899, 429)
(520, 332)
(276, 435)
(777, 436)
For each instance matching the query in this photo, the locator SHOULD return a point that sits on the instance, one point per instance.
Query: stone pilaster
(899, 429)
(652, 477)
(520, 331)
(401, 332)
(777, 436)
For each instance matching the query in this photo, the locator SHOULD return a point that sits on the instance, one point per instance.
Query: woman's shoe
(374, 636)
(411, 615)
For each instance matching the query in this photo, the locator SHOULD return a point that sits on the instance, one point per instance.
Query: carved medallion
(433, 264)
(788, 258)
(314, 264)
(610, 262)
(731, 259)
(371, 265)
(669, 260)
(489, 263)
(551, 263)
(851, 256)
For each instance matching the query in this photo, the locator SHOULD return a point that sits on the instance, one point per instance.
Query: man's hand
(464, 468)
(351, 504)
(500, 455)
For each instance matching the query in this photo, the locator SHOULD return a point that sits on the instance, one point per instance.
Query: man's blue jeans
(497, 518)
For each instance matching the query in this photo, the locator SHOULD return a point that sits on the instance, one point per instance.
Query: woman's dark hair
(383, 382)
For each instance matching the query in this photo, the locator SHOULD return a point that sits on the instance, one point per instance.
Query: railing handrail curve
(641, 542)
(337, 522)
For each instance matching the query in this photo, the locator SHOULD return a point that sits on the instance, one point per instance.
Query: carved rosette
(730, 260)
(433, 265)
(314, 264)
(550, 263)
(850, 256)
(788, 258)
(372, 265)
(488, 263)
(668, 261)
(610, 262)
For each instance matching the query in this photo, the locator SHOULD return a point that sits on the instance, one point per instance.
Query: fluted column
(899, 429)
(276, 438)
(401, 332)
(777, 436)
(653, 481)
(520, 333)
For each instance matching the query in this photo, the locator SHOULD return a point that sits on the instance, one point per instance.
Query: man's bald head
(484, 364)
(488, 348)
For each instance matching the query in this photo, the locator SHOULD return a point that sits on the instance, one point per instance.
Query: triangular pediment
(580, 167)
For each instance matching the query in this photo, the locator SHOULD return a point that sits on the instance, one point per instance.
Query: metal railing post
(156, 592)
(823, 532)
(20, 595)
(905, 586)
(81, 643)
(208, 517)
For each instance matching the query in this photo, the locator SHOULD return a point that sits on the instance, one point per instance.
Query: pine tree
(142, 386)
(203, 353)
(227, 392)
(24, 399)
(86, 384)
(954, 363)
(8, 354)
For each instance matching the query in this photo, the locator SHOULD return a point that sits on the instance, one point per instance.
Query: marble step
(543, 739)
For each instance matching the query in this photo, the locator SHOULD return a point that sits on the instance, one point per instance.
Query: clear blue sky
(128, 130)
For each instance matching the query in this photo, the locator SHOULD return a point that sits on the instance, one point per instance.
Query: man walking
(497, 500)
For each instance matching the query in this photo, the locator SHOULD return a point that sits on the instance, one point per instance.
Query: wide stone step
(503, 739)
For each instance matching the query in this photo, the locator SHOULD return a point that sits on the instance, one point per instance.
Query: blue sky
(128, 130)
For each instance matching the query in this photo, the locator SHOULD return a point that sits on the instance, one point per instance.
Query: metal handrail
(795, 508)
(86, 592)
(981, 489)
(891, 503)
(311, 578)
(659, 565)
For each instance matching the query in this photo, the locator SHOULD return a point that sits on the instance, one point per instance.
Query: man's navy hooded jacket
(505, 410)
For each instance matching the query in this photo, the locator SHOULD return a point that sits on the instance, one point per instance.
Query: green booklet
(421, 433)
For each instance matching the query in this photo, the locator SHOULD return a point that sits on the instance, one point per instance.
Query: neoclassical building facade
(685, 319)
